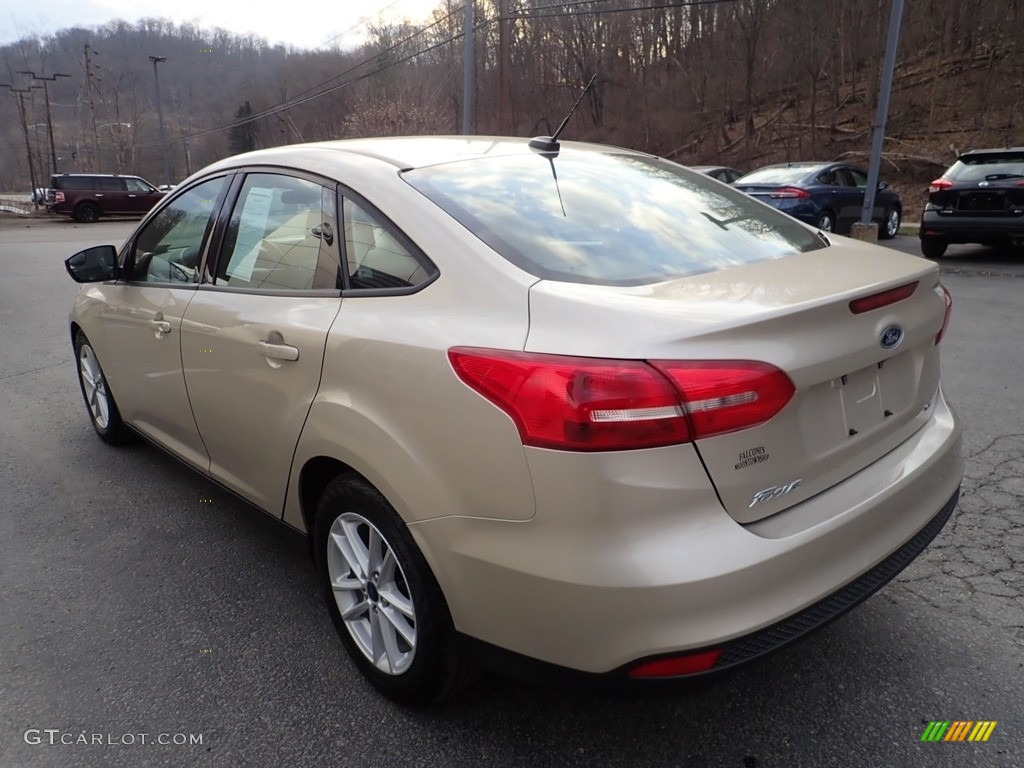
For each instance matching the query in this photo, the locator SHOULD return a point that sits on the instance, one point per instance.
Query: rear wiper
(1002, 176)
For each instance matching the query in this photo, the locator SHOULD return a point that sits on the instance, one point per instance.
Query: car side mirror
(93, 265)
(883, 185)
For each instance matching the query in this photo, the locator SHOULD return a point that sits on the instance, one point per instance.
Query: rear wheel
(933, 247)
(87, 213)
(103, 412)
(386, 605)
(826, 221)
(891, 226)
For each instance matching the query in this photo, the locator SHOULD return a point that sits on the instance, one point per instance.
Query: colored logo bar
(958, 730)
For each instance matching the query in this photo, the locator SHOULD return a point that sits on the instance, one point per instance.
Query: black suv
(980, 199)
(87, 196)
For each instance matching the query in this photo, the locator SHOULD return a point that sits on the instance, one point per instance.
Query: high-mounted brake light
(587, 404)
(883, 298)
(946, 297)
(786, 193)
(940, 184)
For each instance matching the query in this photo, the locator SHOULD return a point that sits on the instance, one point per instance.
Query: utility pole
(92, 88)
(467, 70)
(24, 127)
(160, 114)
(883, 111)
(49, 119)
(504, 123)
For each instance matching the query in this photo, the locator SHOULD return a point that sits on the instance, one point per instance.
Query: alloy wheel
(372, 593)
(95, 386)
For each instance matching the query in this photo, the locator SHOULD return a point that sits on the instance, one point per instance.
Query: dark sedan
(829, 196)
(980, 199)
(721, 172)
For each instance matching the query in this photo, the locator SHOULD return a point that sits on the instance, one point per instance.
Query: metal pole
(44, 79)
(160, 113)
(28, 143)
(883, 110)
(467, 71)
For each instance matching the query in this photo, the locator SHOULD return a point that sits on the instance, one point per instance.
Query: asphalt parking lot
(137, 599)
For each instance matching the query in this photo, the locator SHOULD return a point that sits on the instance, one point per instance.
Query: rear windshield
(609, 218)
(991, 167)
(786, 174)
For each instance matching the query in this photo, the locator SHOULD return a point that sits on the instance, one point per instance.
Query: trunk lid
(855, 399)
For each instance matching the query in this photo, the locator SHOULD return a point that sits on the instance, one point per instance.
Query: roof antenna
(550, 143)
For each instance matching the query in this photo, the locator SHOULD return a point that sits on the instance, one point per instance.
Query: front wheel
(891, 225)
(933, 248)
(384, 601)
(103, 412)
(826, 221)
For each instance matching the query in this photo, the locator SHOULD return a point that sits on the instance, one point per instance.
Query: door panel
(253, 342)
(141, 323)
(142, 331)
(252, 366)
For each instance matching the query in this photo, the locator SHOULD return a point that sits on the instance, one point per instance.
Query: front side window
(169, 247)
(280, 237)
(138, 185)
(609, 218)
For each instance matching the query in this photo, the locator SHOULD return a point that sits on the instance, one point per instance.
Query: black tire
(437, 669)
(826, 221)
(99, 403)
(890, 224)
(933, 247)
(87, 213)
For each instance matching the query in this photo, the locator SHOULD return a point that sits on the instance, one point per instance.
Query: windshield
(994, 166)
(609, 218)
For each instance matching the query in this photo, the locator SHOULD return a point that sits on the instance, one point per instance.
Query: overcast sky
(302, 24)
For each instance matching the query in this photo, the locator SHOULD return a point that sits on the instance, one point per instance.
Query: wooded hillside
(737, 82)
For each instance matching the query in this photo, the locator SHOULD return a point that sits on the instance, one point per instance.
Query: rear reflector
(883, 299)
(675, 666)
(588, 404)
(946, 297)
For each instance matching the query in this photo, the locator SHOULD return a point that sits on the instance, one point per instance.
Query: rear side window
(988, 167)
(609, 218)
(111, 185)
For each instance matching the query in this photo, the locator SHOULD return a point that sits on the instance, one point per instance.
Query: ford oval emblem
(982, 183)
(891, 337)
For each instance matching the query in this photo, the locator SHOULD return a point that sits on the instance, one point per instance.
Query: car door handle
(160, 326)
(279, 351)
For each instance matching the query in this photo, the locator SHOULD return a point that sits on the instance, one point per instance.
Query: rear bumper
(735, 652)
(986, 230)
(663, 570)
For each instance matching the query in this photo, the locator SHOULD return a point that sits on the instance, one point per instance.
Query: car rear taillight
(58, 197)
(939, 184)
(946, 297)
(576, 403)
(723, 396)
(588, 404)
(883, 298)
(674, 666)
(790, 193)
